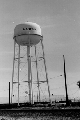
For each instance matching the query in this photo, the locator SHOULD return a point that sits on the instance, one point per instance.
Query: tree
(78, 83)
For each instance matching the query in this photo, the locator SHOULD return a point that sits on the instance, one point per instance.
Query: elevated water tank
(27, 34)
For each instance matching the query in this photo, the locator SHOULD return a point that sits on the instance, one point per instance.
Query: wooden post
(9, 93)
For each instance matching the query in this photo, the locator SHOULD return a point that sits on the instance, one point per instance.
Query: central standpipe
(29, 71)
(18, 72)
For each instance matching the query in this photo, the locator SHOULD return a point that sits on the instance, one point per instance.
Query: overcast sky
(60, 24)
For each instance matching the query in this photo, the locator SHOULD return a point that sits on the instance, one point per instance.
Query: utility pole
(67, 101)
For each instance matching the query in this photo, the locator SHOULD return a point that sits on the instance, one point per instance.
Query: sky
(60, 24)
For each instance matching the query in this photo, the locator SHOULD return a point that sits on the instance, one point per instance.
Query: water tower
(28, 35)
